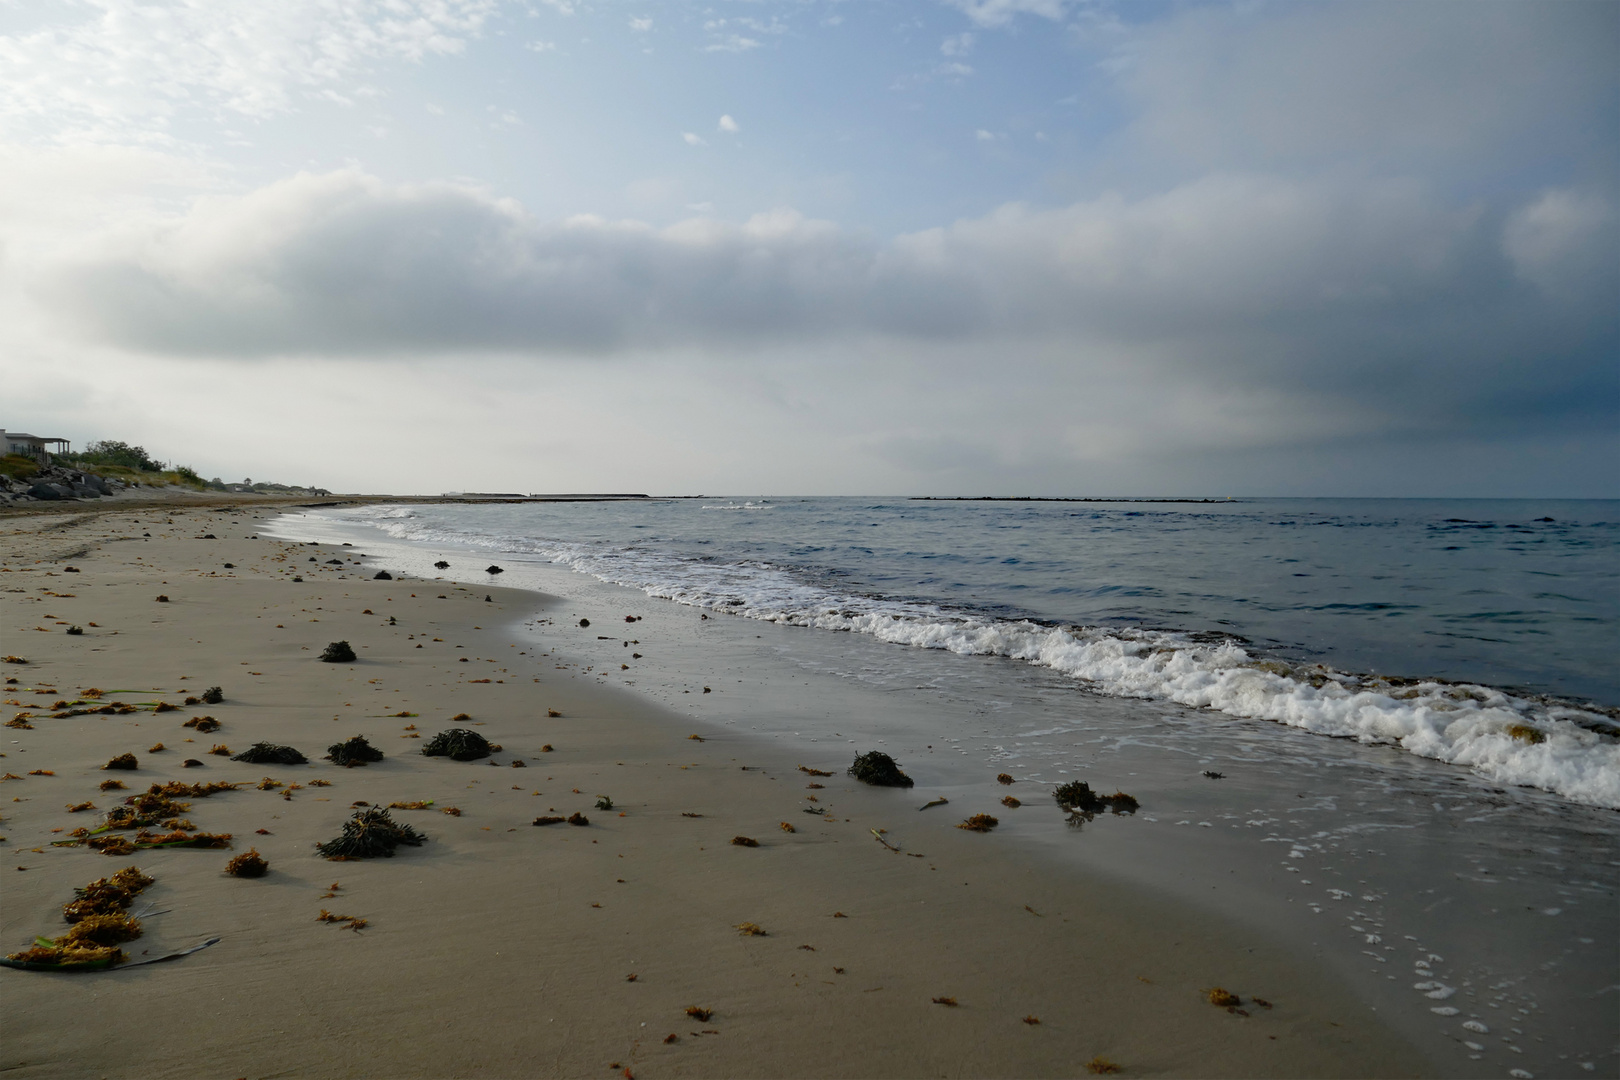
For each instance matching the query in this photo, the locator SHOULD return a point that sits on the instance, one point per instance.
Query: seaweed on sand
(203, 724)
(876, 767)
(106, 896)
(1077, 797)
(338, 652)
(352, 752)
(248, 864)
(459, 744)
(368, 834)
(264, 753)
(112, 928)
(213, 696)
(745, 841)
(979, 823)
(123, 761)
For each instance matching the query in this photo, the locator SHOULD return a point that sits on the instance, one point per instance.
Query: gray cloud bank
(1368, 288)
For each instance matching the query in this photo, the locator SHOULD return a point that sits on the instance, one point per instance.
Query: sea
(1388, 730)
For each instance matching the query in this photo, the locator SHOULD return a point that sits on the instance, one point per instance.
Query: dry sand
(502, 949)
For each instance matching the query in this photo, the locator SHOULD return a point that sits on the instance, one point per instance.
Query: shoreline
(485, 941)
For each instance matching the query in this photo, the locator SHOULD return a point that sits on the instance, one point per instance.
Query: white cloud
(957, 45)
(541, 46)
(728, 125)
(994, 13)
(984, 136)
(732, 43)
(1565, 242)
(641, 24)
(694, 139)
(131, 70)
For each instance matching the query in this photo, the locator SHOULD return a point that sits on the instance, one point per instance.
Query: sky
(1005, 247)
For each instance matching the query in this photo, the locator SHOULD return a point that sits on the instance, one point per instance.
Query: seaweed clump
(1080, 801)
(123, 761)
(459, 744)
(248, 864)
(876, 767)
(264, 753)
(368, 834)
(338, 652)
(979, 823)
(213, 696)
(352, 752)
(106, 896)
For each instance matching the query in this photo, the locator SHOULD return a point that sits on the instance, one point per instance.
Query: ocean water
(1383, 731)
(1483, 634)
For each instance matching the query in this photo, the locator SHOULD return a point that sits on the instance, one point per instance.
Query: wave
(1559, 746)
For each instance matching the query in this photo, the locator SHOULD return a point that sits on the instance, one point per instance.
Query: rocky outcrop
(57, 482)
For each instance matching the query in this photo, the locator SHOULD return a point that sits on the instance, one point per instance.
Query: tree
(116, 452)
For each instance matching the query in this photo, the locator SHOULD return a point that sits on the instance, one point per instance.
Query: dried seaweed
(876, 767)
(745, 841)
(123, 761)
(419, 804)
(1009, 801)
(248, 864)
(458, 744)
(338, 652)
(577, 818)
(813, 772)
(1004, 778)
(945, 1001)
(749, 929)
(369, 834)
(353, 751)
(1223, 999)
(264, 753)
(203, 724)
(1101, 1066)
(699, 1013)
(213, 696)
(543, 820)
(112, 928)
(979, 823)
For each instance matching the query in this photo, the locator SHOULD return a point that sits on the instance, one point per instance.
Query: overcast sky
(974, 246)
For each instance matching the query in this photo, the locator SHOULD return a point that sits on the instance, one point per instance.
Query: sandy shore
(502, 949)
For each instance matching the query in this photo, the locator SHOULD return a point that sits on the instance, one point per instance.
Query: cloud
(957, 44)
(133, 70)
(641, 24)
(1376, 306)
(1377, 84)
(694, 139)
(996, 13)
(728, 125)
(732, 43)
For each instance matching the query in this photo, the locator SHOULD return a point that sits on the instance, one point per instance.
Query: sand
(503, 949)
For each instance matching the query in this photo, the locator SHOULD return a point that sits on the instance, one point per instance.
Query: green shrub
(19, 467)
(116, 452)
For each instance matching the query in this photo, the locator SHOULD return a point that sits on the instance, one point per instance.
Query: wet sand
(503, 949)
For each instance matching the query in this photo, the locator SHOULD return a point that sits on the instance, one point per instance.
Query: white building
(34, 446)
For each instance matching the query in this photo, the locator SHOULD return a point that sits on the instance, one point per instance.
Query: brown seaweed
(123, 761)
(745, 841)
(876, 767)
(979, 823)
(353, 751)
(249, 864)
(338, 652)
(1077, 796)
(368, 834)
(458, 744)
(264, 753)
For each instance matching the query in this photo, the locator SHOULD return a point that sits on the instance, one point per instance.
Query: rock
(382, 575)
(493, 569)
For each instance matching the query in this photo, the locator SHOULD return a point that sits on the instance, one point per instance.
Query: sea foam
(1540, 742)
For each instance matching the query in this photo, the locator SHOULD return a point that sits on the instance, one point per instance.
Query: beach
(498, 948)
